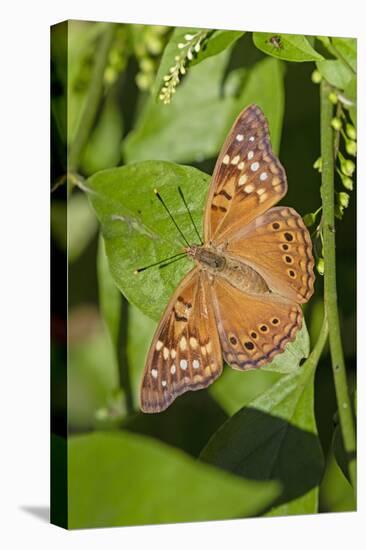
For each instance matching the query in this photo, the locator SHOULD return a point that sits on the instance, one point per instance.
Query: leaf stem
(330, 287)
(92, 99)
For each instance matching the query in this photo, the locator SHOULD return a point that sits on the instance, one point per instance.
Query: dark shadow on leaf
(187, 424)
(259, 446)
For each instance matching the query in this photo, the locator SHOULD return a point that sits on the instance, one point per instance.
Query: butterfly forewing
(185, 353)
(278, 246)
(253, 329)
(248, 178)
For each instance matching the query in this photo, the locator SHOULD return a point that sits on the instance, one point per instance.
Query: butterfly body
(216, 263)
(241, 301)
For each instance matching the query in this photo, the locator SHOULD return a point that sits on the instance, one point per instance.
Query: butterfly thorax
(217, 263)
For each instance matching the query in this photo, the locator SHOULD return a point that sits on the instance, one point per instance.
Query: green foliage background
(254, 443)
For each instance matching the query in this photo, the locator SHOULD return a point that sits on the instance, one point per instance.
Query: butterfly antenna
(178, 256)
(170, 262)
(190, 215)
(171, 217)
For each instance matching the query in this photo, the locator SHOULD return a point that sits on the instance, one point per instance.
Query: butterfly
(241, 302)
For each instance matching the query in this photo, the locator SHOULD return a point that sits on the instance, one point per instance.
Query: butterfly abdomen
(236, 272)
(244, 277)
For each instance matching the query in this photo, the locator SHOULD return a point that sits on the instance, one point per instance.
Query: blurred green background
(129, 126)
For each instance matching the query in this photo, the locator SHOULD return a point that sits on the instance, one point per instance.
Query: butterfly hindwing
(278, 246)
(185, 353)
(253, 329)
(248, 178)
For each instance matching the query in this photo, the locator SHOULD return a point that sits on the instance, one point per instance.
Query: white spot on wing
(183, 343)
(166, 353)
(250, 155)
(226, 159)
(159, 345)
(173, 369)
(235, 160)
(183, 364)
(252, 138)
(154, 373)
(242, 180)
(163, 383)
(193, 342)
(196, 364)
(254, 167)
(239, 137)
(263, 176)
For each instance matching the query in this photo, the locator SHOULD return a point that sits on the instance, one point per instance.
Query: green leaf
(109, 296)
(264, 86)
(124, 479)
(275, 438)
(289, 361)
(335, 72)
(215, 44)
(133, 219)
(192, 126)
(342, 457)
(235, 389)
(350, 91)
(140, 332)
(340, 452)
(346, 48)
(289, 47)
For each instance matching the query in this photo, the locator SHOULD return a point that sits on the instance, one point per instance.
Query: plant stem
(330, 287)
(92, 99)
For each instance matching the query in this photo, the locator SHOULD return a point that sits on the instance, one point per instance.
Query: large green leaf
(194, 126)
(124, 479)
(289, 361)
(191, 127)
(335, 72)
(350, 91)
(343, 457)
(289, 47)
(275, 437)
(216, 43)
(235, 389)
(137, 230)
(346, 48)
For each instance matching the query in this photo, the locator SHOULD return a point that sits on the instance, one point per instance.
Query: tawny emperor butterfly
(241, 301)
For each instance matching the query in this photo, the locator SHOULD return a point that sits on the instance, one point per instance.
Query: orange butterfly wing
(253, 328)
(248, 178)
(278, 246)
(185, 353)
